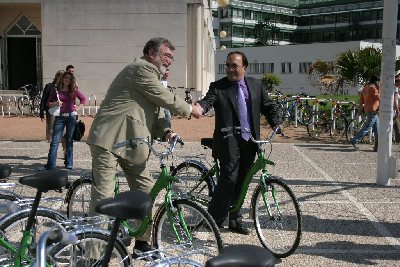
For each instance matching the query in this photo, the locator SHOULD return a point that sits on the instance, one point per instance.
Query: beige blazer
(131, 108)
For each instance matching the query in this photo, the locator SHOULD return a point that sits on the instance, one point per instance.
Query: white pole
(198, 47)
(387, 86)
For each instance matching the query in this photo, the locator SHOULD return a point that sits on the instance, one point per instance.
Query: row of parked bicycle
(28, 102)
(323, 118)
(183, 232)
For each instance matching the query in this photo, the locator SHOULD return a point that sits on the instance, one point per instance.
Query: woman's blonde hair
(72, 85)
(58, 75)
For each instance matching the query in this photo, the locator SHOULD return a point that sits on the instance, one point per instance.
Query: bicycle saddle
(126, 205)
(207, 142)
(243, 256)
(5, 171)
(47, 180)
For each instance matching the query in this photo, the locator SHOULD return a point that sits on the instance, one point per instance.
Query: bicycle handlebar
(133, 143)
(239, 130)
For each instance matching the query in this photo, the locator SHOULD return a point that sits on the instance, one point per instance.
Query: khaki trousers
(104, 168)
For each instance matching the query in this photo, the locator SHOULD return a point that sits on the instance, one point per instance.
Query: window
(286, 67)
(237, 31)
(237, 13)
(342, 18)
(221, 68)
(225, 12)
(267, 67)
(254, 68)
(304, 66)
(248, 14)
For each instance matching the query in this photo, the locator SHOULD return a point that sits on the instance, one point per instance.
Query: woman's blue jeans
(61, 122)
(372, 121)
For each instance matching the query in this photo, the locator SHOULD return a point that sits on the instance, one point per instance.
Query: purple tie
(243, 117)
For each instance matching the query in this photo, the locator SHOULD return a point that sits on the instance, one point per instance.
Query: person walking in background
(238, 101)
(70, 69)
(44, 108)
(396, 115)
(64, 96)
(164, 81)
(369, 100)
(130, 109)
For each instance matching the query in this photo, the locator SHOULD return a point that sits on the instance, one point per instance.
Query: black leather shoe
(144, 251)
(238, 227)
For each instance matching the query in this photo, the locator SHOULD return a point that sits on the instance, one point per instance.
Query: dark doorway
(21, 62)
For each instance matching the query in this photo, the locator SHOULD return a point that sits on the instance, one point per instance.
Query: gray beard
(162, 69)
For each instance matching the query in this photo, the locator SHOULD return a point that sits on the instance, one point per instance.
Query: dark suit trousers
(232, 172)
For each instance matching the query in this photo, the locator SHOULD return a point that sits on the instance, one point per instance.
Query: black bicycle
(29, 102)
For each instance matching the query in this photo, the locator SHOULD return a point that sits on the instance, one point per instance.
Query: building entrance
(22, 57)
(22, 61)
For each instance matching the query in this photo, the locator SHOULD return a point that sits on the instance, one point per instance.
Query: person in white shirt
(164, 81)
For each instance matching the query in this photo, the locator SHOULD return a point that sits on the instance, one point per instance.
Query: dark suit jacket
(222, 96)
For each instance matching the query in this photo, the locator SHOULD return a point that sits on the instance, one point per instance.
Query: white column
(198, 19)
(387, 84)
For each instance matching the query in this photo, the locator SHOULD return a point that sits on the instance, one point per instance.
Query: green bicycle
(20, 230)
(176, 221)
(274, 207)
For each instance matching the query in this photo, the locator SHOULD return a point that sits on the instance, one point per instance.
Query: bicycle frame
(214, 171)
(164, 181)
(259, 164)
(21, 253)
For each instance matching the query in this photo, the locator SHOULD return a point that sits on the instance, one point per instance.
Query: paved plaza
(348, 220)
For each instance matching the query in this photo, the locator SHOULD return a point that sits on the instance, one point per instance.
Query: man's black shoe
(237, 227)
(143, 249)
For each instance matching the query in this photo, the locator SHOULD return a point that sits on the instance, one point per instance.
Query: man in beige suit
(131, 108)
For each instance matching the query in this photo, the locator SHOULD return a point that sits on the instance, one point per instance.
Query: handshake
(197, 110)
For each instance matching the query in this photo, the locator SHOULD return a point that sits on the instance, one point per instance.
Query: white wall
(295, 82)
(100, 37)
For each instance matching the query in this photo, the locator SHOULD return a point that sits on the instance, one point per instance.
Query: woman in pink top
(67, 93)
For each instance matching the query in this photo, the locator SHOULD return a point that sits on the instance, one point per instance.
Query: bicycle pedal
(58, 190)
(126, 240)
(68, 185)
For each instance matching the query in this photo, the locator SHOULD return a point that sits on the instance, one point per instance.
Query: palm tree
(356, 67)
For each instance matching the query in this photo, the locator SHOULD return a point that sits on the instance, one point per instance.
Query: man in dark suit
(237, 101)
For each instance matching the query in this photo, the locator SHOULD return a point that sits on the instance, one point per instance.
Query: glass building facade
(273, 22)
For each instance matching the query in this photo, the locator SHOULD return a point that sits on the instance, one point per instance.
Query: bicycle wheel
(192, 183)
(13, 225)
(79, 254)
(305, 113)
(204, 233)
(282, 111)
(339, 132)
(78, 198)
(36, 106)
(24, 104)
(277, 217)
(355, 125)
(318, 125)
